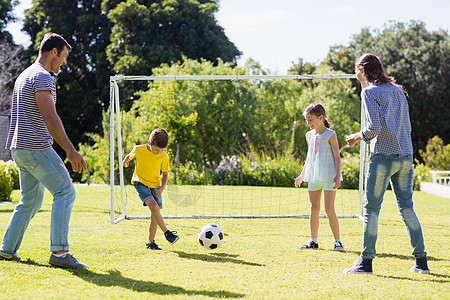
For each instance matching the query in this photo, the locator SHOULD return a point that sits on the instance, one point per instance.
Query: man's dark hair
(52, 40)
(159, 137)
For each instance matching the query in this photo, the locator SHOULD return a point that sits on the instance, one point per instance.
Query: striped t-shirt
(27, 129)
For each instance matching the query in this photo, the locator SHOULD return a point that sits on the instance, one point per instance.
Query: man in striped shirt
(34, 125)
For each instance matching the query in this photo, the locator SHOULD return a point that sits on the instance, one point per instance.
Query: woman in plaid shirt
(388, 131)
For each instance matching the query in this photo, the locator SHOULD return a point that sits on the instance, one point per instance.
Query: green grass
(259, 258)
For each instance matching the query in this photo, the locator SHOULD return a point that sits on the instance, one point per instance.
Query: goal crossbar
(232, 77)
(115, 119)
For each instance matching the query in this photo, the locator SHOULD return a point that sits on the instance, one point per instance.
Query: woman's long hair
(374, 70)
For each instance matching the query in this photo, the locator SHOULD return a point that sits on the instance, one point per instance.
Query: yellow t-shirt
(148, 166)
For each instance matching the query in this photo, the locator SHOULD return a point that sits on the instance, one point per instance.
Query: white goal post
(116, 137)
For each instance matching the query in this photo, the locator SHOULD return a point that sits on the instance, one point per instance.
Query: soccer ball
(210, 236)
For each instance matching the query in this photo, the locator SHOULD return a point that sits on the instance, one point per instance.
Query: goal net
(236, 144)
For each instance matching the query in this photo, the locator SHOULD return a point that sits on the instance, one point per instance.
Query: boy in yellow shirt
(151, 161)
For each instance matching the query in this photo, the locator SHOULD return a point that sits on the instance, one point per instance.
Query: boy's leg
(314, 198)
(156, 213)
(329, 198)
(153, 227)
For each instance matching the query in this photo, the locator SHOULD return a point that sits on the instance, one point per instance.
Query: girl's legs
(329, 197)
(314, 198)
(156, 219)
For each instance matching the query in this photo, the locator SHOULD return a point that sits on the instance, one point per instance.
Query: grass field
(260, 258)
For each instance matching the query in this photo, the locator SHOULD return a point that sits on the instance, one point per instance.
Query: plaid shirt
(388, 127)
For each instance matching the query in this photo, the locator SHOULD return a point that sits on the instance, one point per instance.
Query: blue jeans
(398, 169)
(38, 170)
(146, 192)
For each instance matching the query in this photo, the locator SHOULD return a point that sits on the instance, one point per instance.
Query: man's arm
(47, 109)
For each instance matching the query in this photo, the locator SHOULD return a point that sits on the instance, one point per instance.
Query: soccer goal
(209, 196)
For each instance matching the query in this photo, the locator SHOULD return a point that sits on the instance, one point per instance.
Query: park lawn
(259, 258)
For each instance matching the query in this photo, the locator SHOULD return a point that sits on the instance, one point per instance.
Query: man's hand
(77, 161)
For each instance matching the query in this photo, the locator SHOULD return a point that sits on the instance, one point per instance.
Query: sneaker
(67, 261)
(171, 236)
(338, 246)
(421, 266)
(310, 245)
(361, 266)
(11, 258)
(152, 246)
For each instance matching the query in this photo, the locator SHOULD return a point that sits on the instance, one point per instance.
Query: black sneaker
(11, 258)
(152, 246)
(421, 266)
(361, 266)
(67, 261)
(171, 236)
(338, 246)
(310, 245)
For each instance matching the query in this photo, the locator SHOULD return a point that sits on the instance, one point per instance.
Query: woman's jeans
(38, 170)
(398, 169)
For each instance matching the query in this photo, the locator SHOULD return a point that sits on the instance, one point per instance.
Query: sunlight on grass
(259, 258)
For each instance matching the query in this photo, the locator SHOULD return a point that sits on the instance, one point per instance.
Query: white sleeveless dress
(319, 165)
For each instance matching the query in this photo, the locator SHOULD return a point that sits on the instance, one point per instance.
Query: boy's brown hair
(159, 137)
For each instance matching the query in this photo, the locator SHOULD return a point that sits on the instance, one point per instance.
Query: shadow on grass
(399, 256)
(424, 277)
(216, 257)
(115, 278)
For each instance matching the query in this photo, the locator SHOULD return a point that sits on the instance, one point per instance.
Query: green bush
(436, 155)
(6, 182)
(188, 174)
(256, 171)
(421, 173)
(13, 170)
(350, 171)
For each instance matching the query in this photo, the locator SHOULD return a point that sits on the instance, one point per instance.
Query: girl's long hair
(318, 110)
(374, 70)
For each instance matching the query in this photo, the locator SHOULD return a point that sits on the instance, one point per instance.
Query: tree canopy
(6, 16)
(148, 33)
(84, 84)
(419, 60)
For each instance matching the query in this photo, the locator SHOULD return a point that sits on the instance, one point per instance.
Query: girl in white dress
(322, 171)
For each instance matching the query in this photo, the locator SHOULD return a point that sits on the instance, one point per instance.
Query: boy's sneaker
(361, 266)
(310, 245)
(421, 266)
(338, 246)
(11, 258)
(171, 236)
(152, 246)
(68, 261)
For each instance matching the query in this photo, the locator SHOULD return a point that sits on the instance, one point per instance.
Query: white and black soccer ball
(210, 236)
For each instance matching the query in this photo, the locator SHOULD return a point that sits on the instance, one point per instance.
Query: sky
(276, 33)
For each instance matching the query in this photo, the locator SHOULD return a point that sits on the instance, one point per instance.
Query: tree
(12, 63)
(419, 60)
(148, 33)
(186, 27)
(208, 120)
(83, 89)
(6, 16)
